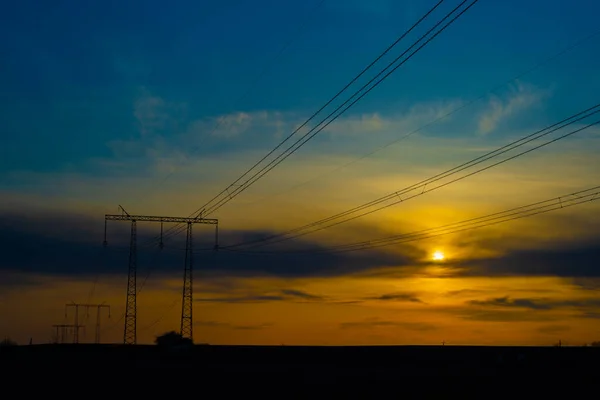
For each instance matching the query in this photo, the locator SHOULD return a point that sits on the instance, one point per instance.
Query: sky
(159, 108)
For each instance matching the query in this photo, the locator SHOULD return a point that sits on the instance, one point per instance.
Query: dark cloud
(71, 245)
(62, 247)
(507, 302)
(301, 294)
(574, 261)
(282, 295)
(376, 323)
(587, 283)
(535, 304)
(398, 296)
(219, 324)
(506, 309)
(472, 292)
(14, 281)
(590, 314)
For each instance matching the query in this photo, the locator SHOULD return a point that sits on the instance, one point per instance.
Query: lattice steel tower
(186, 330)
(187, 325)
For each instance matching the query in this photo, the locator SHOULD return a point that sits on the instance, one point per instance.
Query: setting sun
(438, 256)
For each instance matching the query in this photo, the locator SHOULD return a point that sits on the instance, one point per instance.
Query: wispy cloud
(536, 304)
(281, 295)
(520, 98)
(155, 116)
(398, 296)
(517, 303)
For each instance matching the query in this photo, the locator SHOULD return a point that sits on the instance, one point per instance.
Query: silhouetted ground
(314, 364)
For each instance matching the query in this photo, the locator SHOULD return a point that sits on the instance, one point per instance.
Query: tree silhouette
(172, 339)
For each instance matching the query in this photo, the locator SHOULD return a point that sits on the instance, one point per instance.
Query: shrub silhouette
(172, 339)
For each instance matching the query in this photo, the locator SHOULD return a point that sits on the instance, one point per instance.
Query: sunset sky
(159, 106)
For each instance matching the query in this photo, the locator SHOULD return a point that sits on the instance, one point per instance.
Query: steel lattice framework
(130, 329)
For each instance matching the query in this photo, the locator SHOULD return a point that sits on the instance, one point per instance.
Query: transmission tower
(130, 335)
(64, 331)
(187, 295)
(87, 307)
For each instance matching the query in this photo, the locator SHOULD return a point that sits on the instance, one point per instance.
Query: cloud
(520, 98)
(525, 309)
(586, 283)
(227, 325)
(536, 304)
(370, 323)
(518, 303)
(10, 281)
(280, 295)
(233, 124)
(301, 294)
(571, 260)
(590, 315)
(155, 116)
(76, 249)
(398, 296)
(392, 126)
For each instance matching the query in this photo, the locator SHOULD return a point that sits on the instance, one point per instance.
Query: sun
(438, 256)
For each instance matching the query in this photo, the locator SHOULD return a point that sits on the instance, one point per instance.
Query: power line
(319, 127)
(247, 92)
(424, 191)
(339, 93)
(553, 204)
(259, 77)
(540, 207)
(398, 195)
(432, 122)
(343, 107)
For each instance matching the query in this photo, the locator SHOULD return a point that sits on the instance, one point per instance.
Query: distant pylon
(64, 330)
(87, 307)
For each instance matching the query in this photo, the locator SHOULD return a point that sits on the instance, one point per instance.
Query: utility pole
(130, 334)
(87, 307)
(63, 331)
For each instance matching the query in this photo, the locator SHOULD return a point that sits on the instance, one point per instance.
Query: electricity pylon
(63, 331)
(130, 330)
(98, 307)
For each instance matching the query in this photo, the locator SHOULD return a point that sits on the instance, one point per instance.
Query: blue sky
(158, 106)
(72, 71)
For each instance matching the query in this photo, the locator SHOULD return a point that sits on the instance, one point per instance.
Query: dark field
(313, 364)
